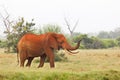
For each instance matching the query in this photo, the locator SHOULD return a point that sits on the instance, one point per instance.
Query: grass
(102, 64)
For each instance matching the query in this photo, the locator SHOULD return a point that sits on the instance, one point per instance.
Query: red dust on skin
(43, 45)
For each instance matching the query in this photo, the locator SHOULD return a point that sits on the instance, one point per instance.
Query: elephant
(43, 45)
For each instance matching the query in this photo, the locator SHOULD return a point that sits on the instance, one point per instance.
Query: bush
(89, 42)
(118, 41)
(109, 43)
(96, 43)
(2, 44)
(59, 56)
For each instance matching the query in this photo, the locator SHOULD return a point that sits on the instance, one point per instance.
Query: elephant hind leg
(23, 57)
(42, 60)
(29, 61)
(22, 61)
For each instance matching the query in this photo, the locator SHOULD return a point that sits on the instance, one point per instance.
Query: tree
(109, 43)
(110, 35)
(8, 26)
(118, 41)
(103, 34)
(14, 31)
(50, 28)
(89, 42)
(117, 32)
(97, 43)
(71, 30)
(20, 28)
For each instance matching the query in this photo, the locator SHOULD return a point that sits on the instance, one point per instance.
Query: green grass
(86, 65)
(57, 75)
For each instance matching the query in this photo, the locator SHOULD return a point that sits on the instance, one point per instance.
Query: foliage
(2, 44)
(118, 41)
(103, 34)
(89, 43)
(110, 35)
(50, 28)
(60, 56)
(94, 42)
(18, 30)
(108, 43)
(21, 27)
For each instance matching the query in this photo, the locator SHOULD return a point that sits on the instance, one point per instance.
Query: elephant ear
(52, 42)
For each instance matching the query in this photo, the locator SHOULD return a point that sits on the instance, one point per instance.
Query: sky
(93, 15)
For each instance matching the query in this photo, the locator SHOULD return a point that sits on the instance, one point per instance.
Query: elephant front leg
(42, 60)
(50, 55)
(51, 59)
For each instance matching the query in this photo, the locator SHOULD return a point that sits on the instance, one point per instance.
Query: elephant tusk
(73, 52)
(69, 52)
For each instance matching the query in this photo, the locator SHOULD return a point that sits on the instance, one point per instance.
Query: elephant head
(58, 41)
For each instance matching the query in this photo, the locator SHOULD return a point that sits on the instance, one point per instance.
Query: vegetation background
(98, 57)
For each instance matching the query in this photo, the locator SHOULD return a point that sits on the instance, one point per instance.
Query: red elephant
(43, 45)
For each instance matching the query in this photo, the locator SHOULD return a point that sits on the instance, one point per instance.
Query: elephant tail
(17, 56)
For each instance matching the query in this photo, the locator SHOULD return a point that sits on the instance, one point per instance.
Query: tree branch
(69, 26)
(75, 25)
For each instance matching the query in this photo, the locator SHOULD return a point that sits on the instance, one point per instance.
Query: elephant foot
(52, 66)
(21, 65)
(27, 65)
(39, 66)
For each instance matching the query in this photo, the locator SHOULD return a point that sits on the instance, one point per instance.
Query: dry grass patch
(86, 64)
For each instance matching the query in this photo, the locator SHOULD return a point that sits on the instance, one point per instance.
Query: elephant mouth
(70, 52)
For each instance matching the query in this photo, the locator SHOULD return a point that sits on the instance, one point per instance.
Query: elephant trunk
(68, 47)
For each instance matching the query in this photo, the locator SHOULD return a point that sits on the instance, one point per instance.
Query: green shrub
(59, 56)
(2, 44)
(109, 43)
